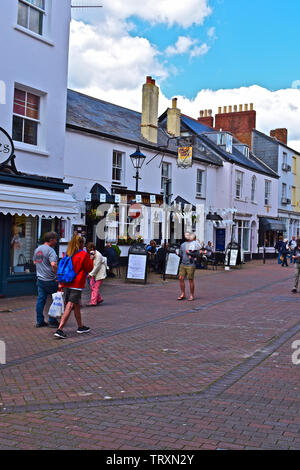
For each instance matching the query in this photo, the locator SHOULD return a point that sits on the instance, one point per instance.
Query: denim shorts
(72, 295)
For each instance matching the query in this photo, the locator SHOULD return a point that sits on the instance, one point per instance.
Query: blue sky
(257, 43)
(208, 53)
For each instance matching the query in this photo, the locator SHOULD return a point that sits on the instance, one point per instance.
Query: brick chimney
(280, 134)
(149, 121)
(206, 118)
(173, 120)
(239, 123)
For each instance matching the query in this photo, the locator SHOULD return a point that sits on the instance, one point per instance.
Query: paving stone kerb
(149, 352)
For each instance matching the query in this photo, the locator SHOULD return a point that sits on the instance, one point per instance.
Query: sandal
(181, 298)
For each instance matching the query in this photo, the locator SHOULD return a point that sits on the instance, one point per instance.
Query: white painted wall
(40, 63)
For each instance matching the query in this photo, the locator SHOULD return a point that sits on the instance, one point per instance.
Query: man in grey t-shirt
(45, 260)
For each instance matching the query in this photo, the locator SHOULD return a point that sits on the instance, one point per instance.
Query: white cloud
(184, 13)
(211, 32)
(182, 46)
(106, 57)
(199, 50)
(187, 45)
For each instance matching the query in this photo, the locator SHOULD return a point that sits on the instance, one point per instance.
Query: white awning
(21, 200)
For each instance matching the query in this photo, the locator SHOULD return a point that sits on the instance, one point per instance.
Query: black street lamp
(137, 159)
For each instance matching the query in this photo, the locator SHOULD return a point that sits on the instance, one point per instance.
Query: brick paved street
(155, 373)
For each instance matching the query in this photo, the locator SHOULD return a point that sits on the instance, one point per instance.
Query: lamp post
(137, 159)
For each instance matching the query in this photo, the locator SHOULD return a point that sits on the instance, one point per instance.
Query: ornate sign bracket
(7, 154)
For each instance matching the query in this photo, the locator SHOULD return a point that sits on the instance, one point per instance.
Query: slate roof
(275, 141)
(103, 118)
(253, 163)
(113, 120)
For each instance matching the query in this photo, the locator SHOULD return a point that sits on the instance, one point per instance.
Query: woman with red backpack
(75, 267)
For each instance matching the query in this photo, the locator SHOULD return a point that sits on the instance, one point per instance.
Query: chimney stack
(173, 119)
(239, 123)
(206, 118)
(149, 122)
(280, 134)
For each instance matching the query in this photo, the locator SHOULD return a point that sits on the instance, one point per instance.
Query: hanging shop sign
(172, 264)
(185, 155)
(7, 150)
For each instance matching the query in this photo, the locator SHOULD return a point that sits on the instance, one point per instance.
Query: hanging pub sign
(7, 150)
(185, 155)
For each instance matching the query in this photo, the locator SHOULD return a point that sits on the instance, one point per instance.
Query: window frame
(240, 196)
(30, 6)
(253, 188)
(27, 118)
(168, 179)
(202, 183)
(118, 168)
(267, 196)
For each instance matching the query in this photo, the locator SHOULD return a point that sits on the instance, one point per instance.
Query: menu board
(172, 264)
(137, 267)
(233, 257)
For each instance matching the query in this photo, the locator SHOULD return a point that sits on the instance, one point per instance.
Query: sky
(207, 53)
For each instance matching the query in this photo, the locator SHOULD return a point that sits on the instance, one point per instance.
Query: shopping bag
(57, 307)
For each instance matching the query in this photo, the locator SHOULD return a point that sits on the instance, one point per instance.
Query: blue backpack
(65, 272)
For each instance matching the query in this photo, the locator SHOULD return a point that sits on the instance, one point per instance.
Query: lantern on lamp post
(137, 159)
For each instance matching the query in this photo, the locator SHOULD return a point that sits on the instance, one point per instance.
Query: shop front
(26, 214)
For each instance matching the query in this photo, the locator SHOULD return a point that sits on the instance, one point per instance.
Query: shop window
(31, 15)
(270, 239)
(22, 244)
(25, 117)
(53, 225)
(244, 234)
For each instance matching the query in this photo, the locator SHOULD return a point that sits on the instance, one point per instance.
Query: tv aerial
(82, 4)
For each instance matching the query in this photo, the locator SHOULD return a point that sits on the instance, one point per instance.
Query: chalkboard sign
(137, 267)
(172, 264)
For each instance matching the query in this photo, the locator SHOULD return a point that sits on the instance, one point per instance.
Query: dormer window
(225, 139)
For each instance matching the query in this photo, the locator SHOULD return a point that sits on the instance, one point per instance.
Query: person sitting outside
(161, 257)
(209, 249)
(152, 251)
(112, 258)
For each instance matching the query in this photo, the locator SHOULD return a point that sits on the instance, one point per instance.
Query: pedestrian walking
(45, 260)
(296, 258)
(82, 264)
(284, 251)
(97, 275)
(292, 246)
(278, 248)
(187, 267)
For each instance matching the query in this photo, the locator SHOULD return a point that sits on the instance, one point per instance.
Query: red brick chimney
(280, 134)
(206, 118)
(239, 122)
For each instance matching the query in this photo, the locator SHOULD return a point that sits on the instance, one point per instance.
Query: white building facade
(32, 113)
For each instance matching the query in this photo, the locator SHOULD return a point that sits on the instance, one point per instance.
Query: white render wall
(88, 160)
(41, 64)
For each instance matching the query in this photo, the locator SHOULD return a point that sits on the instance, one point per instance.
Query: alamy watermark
(296, 354)
(2, 352)
(2, 92)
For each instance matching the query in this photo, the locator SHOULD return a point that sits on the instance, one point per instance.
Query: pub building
(30, 206)
(119, 216)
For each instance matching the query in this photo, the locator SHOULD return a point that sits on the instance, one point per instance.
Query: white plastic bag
(57, 307)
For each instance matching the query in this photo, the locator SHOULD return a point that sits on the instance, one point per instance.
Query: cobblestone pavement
(155, 373)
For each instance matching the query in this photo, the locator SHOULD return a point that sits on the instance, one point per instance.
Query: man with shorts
(187, 268)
